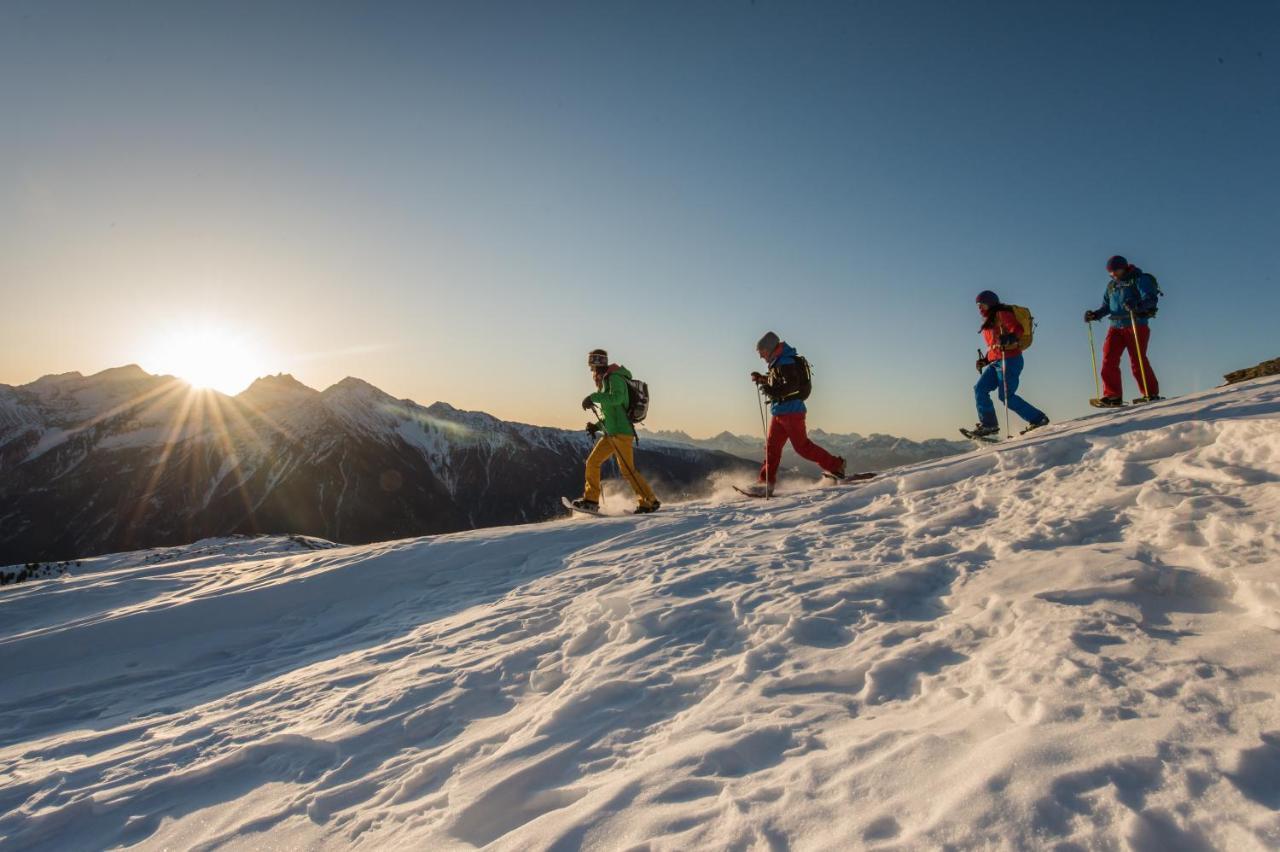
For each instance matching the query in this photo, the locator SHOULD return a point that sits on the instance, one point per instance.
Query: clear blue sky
(456, 201)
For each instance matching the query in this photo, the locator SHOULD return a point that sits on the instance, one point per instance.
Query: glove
(758, 378)
(1091, 316)
(592, 429)
(587, 403)
(982, 364)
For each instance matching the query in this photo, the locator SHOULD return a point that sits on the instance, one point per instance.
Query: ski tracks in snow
(1064, 641)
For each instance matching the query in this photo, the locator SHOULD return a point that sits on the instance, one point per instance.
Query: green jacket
(613, 399)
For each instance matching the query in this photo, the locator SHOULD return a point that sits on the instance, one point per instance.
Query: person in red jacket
(1000, 368)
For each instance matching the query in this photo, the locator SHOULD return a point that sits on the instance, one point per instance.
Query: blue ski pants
(991, 380)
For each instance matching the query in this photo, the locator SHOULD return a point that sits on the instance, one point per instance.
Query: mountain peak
(278, 382)
(351, 384)
(129, 372)
(277, 389)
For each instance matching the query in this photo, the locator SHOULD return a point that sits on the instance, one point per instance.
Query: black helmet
(597, 358)
(986, 297)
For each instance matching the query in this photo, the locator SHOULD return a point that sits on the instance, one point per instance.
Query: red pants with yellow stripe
(1119, 341)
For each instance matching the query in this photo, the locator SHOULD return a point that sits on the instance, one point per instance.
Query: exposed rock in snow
(1068, 641)
(1266, 368)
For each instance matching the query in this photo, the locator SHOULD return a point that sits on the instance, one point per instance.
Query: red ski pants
(1118, 341)
(784, 427)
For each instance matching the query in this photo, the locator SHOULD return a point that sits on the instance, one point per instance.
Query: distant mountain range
(123, 460)
(869, 452)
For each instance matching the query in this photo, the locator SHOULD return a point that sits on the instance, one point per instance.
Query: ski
(758, 495)
(1142, 400)
(850, 477)
(568, 504)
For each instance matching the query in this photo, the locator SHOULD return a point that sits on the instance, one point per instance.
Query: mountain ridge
(141, 460)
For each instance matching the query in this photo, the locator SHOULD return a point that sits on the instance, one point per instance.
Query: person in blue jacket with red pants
(786, 385)
(1001, 367)
(1130, 301)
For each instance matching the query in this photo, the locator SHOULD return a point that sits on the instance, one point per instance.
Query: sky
(456, 201)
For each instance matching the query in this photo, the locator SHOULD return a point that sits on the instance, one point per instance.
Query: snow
(1068, 641)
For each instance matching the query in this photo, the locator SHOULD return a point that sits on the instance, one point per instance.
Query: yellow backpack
(1028, 324)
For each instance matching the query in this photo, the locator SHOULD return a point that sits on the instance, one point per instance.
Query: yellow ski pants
(606, 448)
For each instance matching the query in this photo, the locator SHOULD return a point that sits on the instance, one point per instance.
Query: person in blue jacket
(787, 385)
(1130, 301)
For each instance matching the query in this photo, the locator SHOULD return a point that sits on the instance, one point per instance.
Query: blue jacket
(1138, 292)
(791, 406)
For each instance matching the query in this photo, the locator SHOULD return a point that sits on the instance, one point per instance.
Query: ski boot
(1144, 399)
(585, 505)
(838, 473)
(648, 508)
(759, 490)
(1107, 402)
(1044, 421)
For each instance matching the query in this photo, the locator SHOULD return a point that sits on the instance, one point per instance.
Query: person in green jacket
(618, 438)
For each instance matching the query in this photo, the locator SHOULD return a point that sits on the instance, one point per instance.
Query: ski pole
(1093, 354)
(1137, 350)
(765, 429)
(1004, 380)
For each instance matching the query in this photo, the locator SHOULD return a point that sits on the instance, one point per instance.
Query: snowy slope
(1070, 641)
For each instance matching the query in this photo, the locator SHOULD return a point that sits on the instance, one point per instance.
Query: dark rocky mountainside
(123, 460)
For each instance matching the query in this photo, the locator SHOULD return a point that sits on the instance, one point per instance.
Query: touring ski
(850, 477)
(759, 495)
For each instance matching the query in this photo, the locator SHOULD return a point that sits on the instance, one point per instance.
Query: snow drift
(1067, 641)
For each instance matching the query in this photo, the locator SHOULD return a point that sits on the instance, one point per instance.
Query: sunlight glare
(207, 356)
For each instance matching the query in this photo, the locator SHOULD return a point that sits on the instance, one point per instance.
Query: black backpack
(637, 400)
(1152, 305)
(797, 380)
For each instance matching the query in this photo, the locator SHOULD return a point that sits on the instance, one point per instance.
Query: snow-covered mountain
(876, 451)
(123, 459)
(1068, 641)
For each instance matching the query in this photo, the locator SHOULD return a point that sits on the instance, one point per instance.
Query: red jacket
(1005, 323)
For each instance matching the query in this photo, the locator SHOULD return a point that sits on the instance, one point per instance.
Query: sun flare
(207, 357)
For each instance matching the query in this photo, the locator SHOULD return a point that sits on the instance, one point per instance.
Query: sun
(207, 356)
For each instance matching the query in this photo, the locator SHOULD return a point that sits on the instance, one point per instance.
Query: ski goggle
(597, 359)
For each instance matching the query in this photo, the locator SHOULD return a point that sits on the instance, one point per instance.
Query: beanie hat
(768, 343)
(1117, 263)
(986, 297)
